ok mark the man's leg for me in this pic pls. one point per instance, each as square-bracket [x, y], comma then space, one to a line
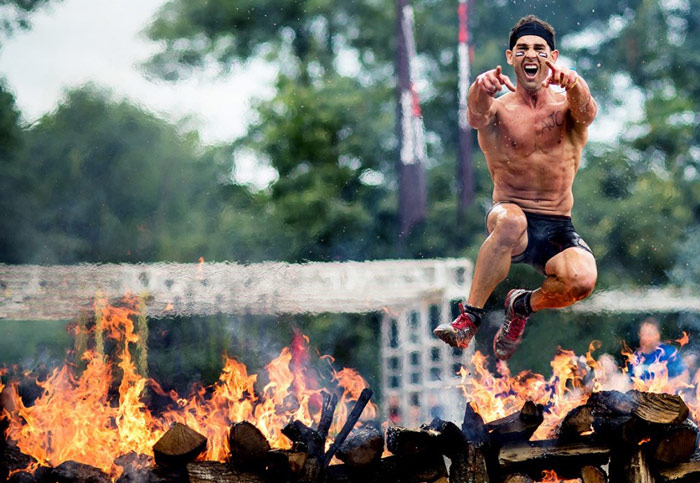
[507, 227]
[571, 276]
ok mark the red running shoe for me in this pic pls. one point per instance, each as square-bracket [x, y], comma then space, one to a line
[510, 335]
[461, 331]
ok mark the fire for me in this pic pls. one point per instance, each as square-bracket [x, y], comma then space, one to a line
[77, 418]
[550, 476]
[573, 379]
[496, 397]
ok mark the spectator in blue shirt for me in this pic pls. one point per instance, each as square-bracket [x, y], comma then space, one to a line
[653, 356]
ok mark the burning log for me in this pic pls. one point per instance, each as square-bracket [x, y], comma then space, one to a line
[533, 457]
[658, 408]
[249, 447]
[468, 463]
[428, 468]
[207, 471]
[578, 422]
[178, 446]
[71, 471]
[353, 417]
[362, 448]
[630, 467]
[314, 440]
[518, 426]
[518, 478]
[409, 442]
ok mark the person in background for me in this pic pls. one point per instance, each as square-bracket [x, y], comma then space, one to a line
[653, 356]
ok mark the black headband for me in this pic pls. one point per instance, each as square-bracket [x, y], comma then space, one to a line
[532, 28]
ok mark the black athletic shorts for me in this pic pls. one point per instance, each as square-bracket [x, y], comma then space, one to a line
[547, 235]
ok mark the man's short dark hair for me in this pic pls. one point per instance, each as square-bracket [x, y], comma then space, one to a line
[533, 18]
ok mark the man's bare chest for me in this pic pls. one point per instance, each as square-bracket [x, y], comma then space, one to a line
[529, 130]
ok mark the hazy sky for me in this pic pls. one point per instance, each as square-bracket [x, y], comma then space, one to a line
[72, 42]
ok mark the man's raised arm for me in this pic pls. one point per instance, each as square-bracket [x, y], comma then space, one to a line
[583, 106]
[481, 94]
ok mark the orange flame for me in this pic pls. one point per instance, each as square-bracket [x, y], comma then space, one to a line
[550, 476]
[76, 418]
[573, 379]
[683, 340]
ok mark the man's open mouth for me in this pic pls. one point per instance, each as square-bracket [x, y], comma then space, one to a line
[531, 70]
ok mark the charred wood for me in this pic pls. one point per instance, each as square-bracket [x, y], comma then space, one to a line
[42, 474]
[249, 447]
[72, 472]
[206, 471]
[407, 442]
[404, 469]
[312, 469]
[353, 417]
[630, 466]
[467, 459]
[578, 422]
[178, 446]
[518, 478]
[327, 412]
[566, 459]
[364, 447]
[12, 459]
[518, 426]
[473, 426]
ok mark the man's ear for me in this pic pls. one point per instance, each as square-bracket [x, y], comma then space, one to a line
[509, 57]
[554, 55]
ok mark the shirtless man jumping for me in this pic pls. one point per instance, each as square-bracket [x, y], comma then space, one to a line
[532, 139]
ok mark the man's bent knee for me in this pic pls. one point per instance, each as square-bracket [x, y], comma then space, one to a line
[581, 285]
[509, 228]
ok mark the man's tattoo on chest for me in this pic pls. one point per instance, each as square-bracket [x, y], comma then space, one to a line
[555, 119]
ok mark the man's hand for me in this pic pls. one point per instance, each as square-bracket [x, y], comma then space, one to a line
[492, 81]
[560, 76]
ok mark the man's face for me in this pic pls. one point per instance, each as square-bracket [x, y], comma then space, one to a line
[528, 60]
[649, 338]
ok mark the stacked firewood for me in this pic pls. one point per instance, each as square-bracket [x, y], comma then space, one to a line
[633, 437]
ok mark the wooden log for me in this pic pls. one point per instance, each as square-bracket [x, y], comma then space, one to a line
[610, 403]
[71, 472]
[468, 462]
[630, 466]
[178, 446]
[249, 447]
[688, 472]
[353, 417]
[473, 426]
[658, 408]
[364, 447]
[518, 426]
[673, 444]
[407, 442]
[576, 423]
[518, 478]
[208, 471]
[327, 412]
[312, 470]
[533, 457]
[593, 474]
[404, 469]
